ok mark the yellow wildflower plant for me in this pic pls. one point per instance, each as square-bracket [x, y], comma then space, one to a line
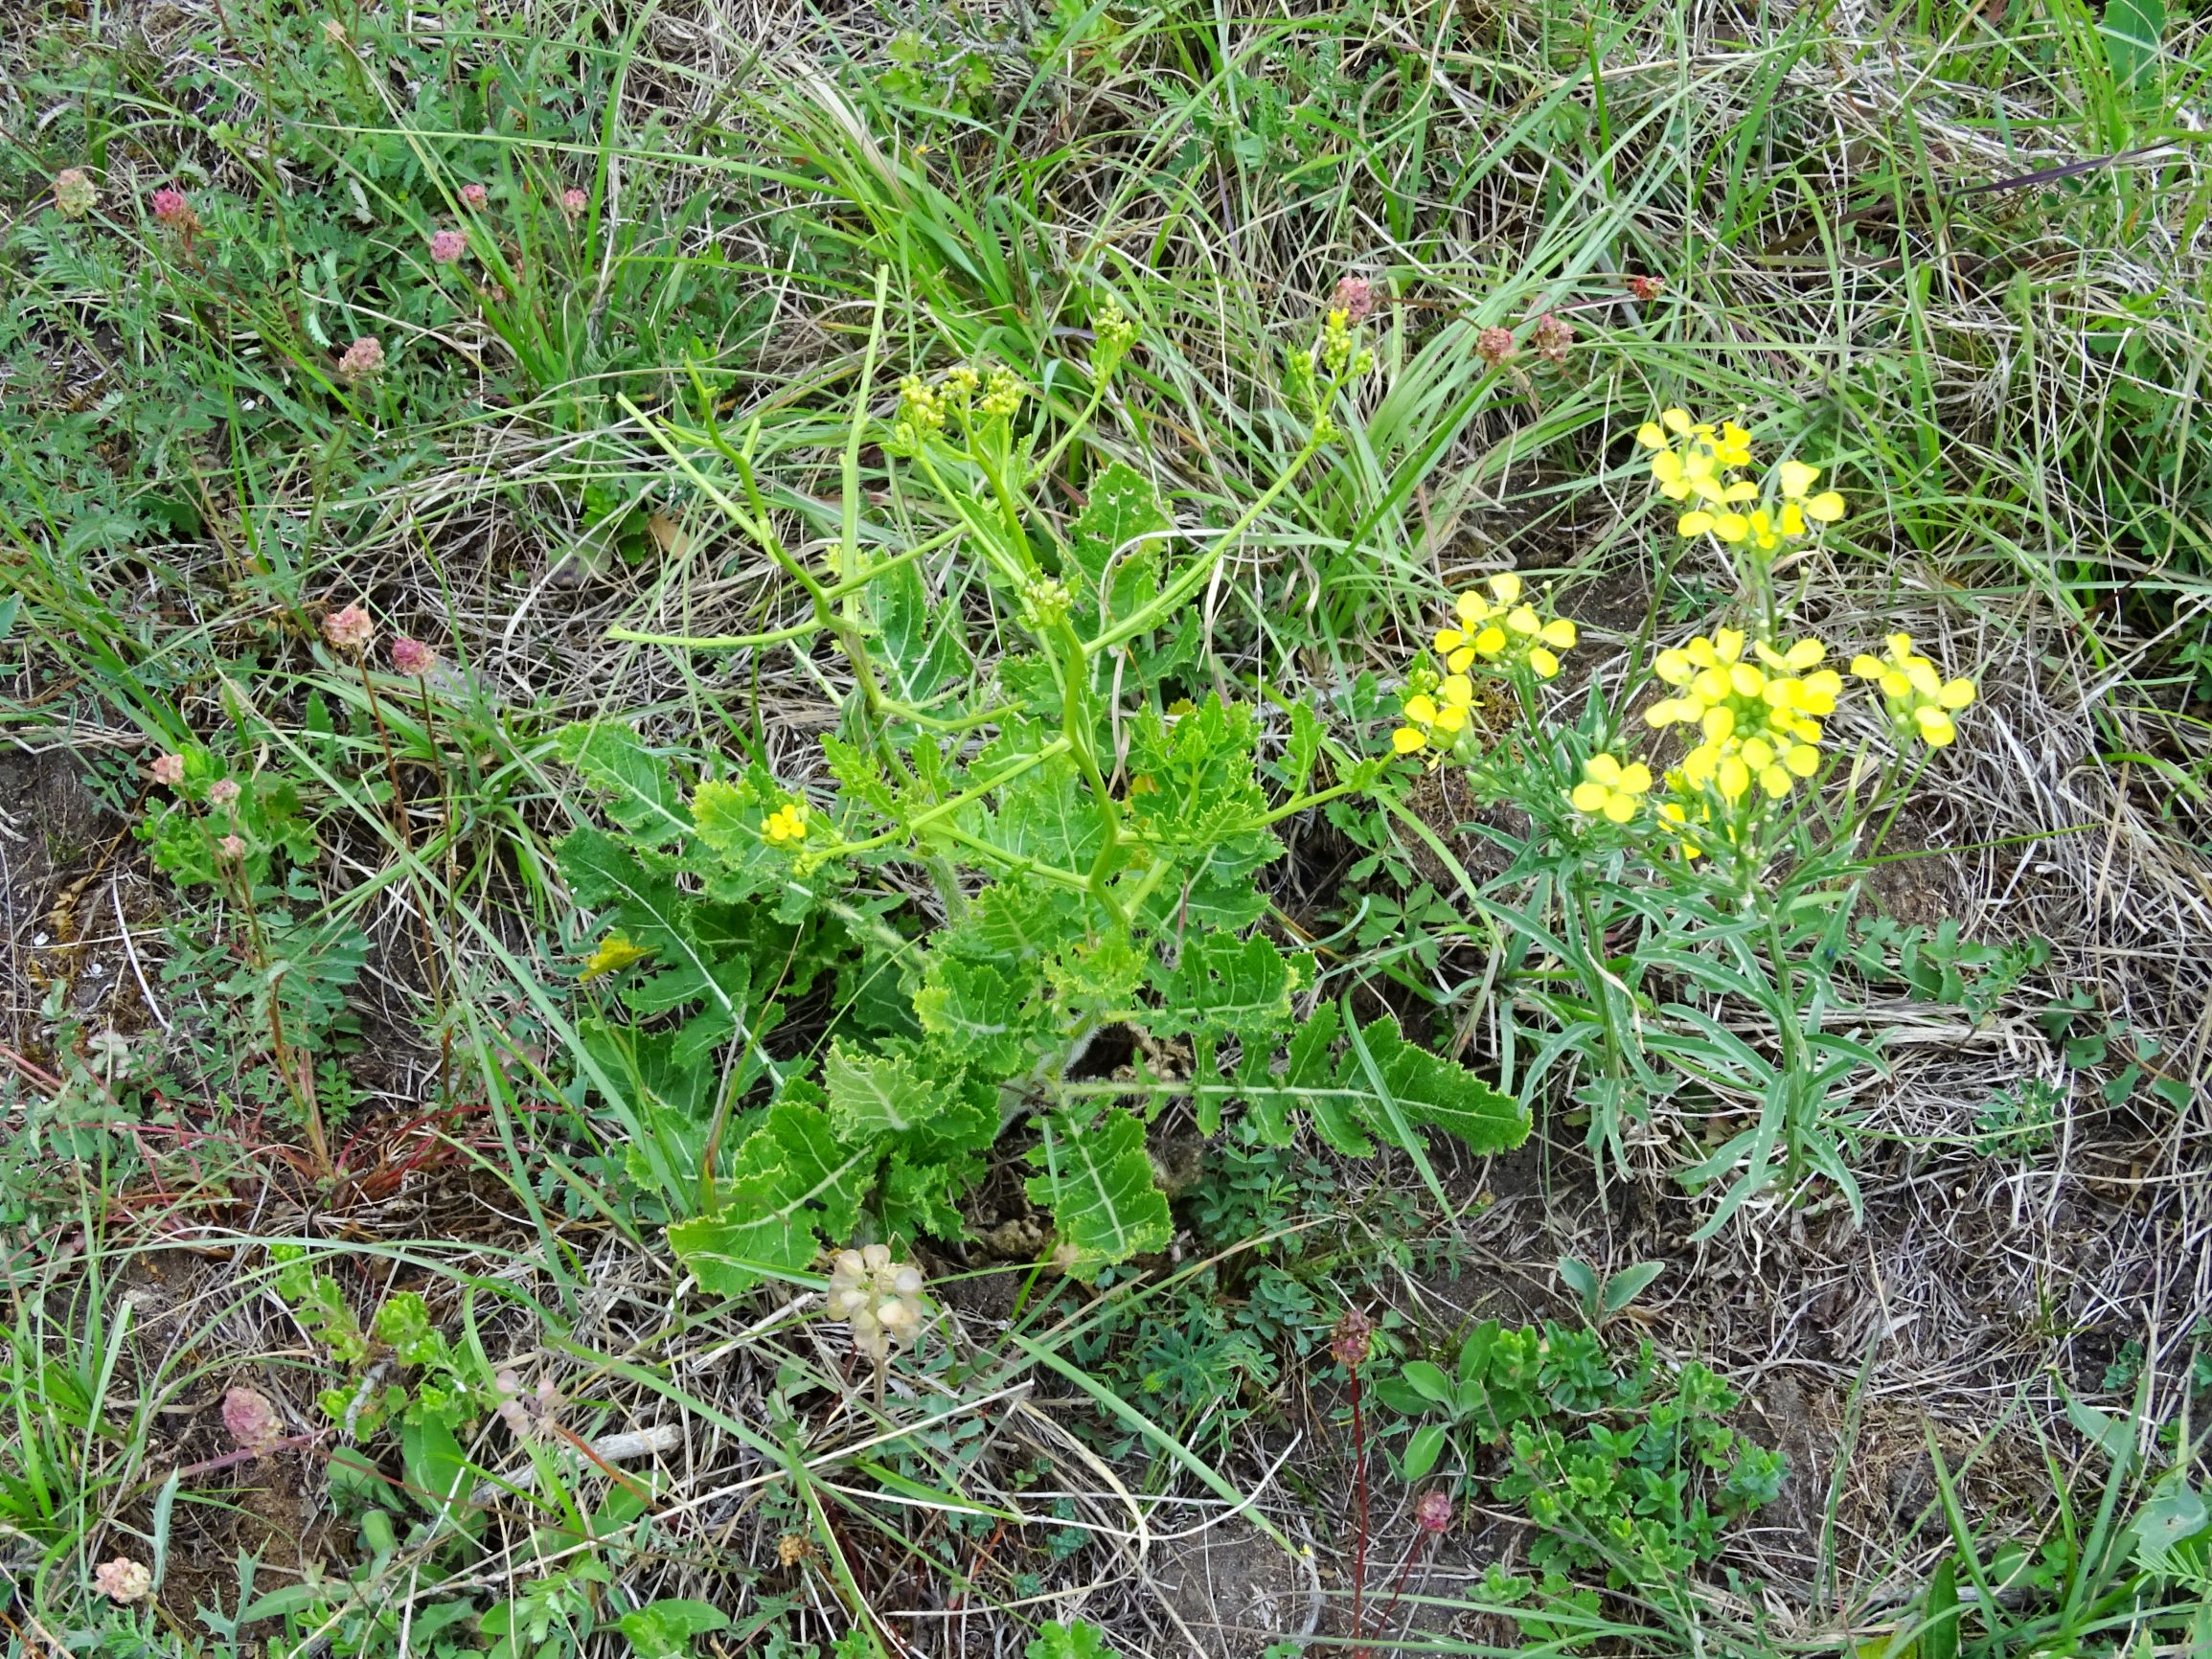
[1502, 631]
[1919, 699]
[787, 825]
[1611, 790]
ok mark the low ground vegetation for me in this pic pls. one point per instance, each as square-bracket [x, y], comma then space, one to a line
[1106, 829]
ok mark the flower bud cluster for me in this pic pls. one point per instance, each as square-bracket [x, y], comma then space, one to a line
[880, 1298]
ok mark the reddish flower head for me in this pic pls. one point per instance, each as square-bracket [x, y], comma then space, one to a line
[348, 629]
[1355, 297]
[446, 246]
[572, 202]
[1432, 1511]
[412, 657]
[168, 769]
[231, 847]
[222, 793]
[252, 1420]
[1646, 289]
[171, 209]
[123, 1579]
[363, 358]
[1493, 346]
[474, 196]
[1349, 1343]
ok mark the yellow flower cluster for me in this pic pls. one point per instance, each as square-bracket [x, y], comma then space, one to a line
[787, 825]
[1919, 700]
[1760, 720]
[1611, 790]
[1500, 633]
[1503, 631]
[1426, 716]
[1700, 463]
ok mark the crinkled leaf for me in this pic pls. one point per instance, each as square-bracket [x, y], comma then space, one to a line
[642, 793]
[917, 1200]
[875, 1094]
[1222, 986]
[790, 1183]
[919, 653]
[1334, 1095]
[1440, 1094]
[1117, 542]
[891, 1101]
[1097, 1181]
[978, 1015]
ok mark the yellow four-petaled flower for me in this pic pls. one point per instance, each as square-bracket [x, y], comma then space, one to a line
[1611, 790]
[787, 825]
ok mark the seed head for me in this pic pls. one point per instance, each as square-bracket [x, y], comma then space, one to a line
[879, 1297]
[348, 629]
[231, 848]
[446, 246]
[1552, 338]
[1432, 1511]
[474, 196]
[1355, 297]
[412, 657]
[168, 769]
[1348, 1346]
[123, 1581]
[1494, 345]
[1646, 289]
[223, 792]
[363, 358]
[74, 195]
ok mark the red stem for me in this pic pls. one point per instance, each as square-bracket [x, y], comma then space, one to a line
[1359, 1537]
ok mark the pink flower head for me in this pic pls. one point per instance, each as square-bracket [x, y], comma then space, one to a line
[1355, 297]
[1646, 289]
[446, 246]
[168, 769]
[1432, 1511]
[474, 196]
[573, 201]
[231, 848]
[222, 793]
[412, 657]
[171, 209]
[1552, 338]
[123, 1581]
[252, 1420]
[348, 629]
[74, 195]
[1348, 1344]
[1493, 346]
[363, 358]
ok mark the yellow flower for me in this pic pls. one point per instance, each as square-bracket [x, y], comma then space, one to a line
[1797, 478]
[1919, 700]
[615, 953]
[1609, 790]
[786, 824]
[1407, 739]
